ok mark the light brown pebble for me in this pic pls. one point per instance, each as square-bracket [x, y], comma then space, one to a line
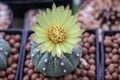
[92, 67]
[39, 79]
[31, 65]
[107, 43]
[11, 77]
[14, 50]
[28, 47]
[30, 72]
[46, 79]
[110, 55]
[17, 37]
[90, 40]
[84, 73]
[118, 40]
[77, 71]
[26, 70]
[92, 49]
[74, 77]
[86, 57]
[92, 55]
[85, 51]
[107, 61]
[15, 57]
[108, 49]
[115, 75]
[115, 45]
[28, 57]
[91, 61]
[17, 45]
[111, 68]
[2, 73]
[12, 42]
[9, 70]
[85, 78]
[10, 61]
[14, 65]
[115, 58]
[26, 77]
[68, 77]
[115, 51]
[5, 78]
[7, 37]
[34, 76]
[35, 70]
[91, 73]
[87, 45]
[27, 62]
[108, 77]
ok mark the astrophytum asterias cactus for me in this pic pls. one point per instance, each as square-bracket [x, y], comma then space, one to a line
[4, 52]
[55, 48]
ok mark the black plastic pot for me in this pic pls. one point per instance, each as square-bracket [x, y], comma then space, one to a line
[109, 33]
[11, 31]
[28, 33]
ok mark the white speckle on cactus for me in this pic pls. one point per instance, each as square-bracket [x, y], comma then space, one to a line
[6, 53]
[32, 55]
[31, 42]
[46, 60]
[64, 71]
[77, 54]
[62, 64]
[1, 49]
[44, 68]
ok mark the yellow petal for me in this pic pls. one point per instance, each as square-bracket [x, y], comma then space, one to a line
[41, 22]
[54, 52]
[60, 12]
[54, 15]
[49, 16]
[66, 47]
[53, 6]
[75, 28]
[49, 45]
[74, 35]
[65, 16]
[68, 23]
[37, 28]
[43, 49]
[39, 40]
[69, 45]
[73, 40]
[59, 52]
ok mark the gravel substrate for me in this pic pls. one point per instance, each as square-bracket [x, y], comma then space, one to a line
[87, 72]
[112, 57]
[14, 41]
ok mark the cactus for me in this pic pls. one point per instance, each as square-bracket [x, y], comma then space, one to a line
[4, 52]
[55, 48]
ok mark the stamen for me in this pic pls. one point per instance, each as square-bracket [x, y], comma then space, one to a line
[57, 34]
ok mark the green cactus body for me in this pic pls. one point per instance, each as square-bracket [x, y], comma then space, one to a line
[55, 66]
[58, 33]
[4, 52]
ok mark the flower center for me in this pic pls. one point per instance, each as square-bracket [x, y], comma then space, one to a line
[57, 34]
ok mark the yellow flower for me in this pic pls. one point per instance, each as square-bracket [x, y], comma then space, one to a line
[57, 30]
